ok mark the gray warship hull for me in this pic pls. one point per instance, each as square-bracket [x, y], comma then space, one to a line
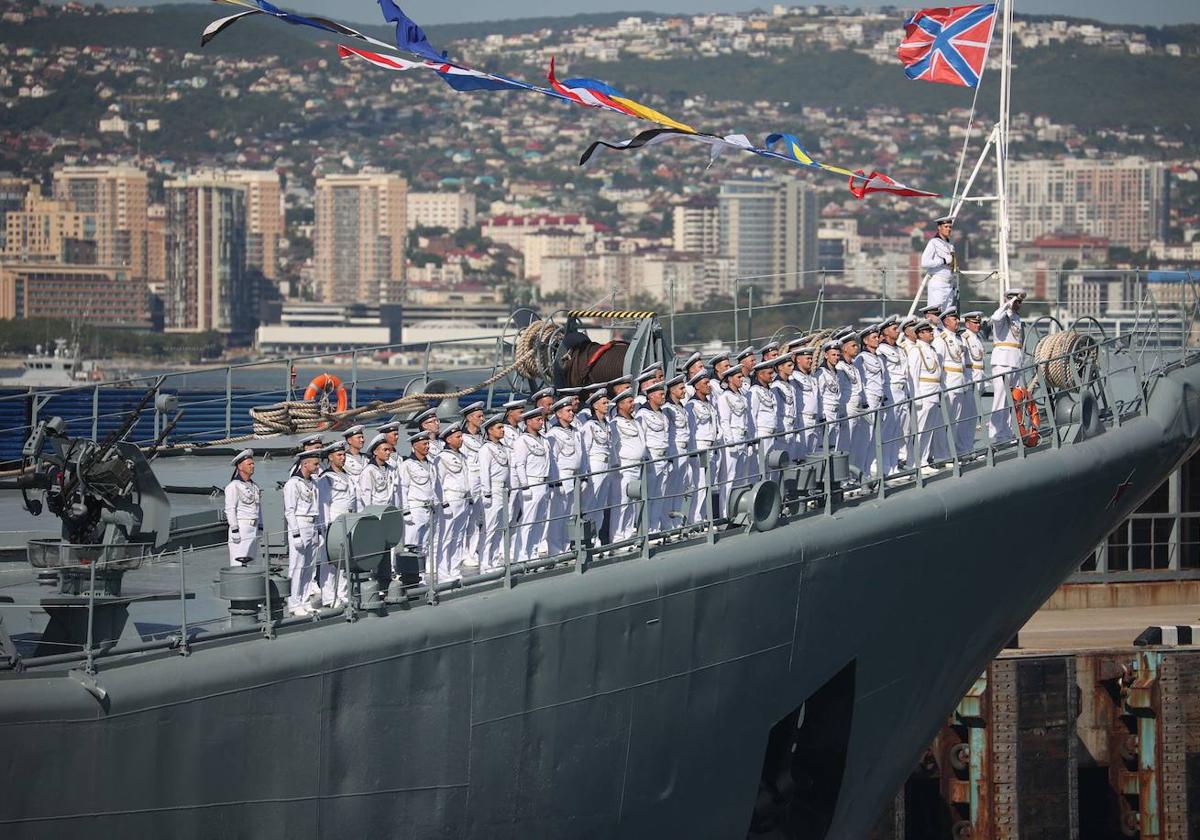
[638, 700]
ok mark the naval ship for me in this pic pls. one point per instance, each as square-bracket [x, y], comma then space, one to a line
[772, 670]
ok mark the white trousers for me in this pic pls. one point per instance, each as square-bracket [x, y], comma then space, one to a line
[895, 439]
[942, 292]
[625, 511]
[658, 505]
[562, 511]
[452, 549]
[685, 473]
[737, 471]
[964, 432]
[535, 509]
[708, 481]
[929, 418]
[303, 553]
[1000, 424]
[243, 546]
[598, 496]
[861, 441]
[491, 541]
[954, 407]
[835, 432]
[812, 436]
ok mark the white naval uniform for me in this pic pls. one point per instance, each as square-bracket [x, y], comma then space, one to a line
[787, 395]
[936, 262]
[737, 428]
[631, 449]
[685, 471]
[570, 463]
[831, 410]
[302, 512]
[511, 433]
[856, 434]
[337, 493]
[494, 478]
[656, 429]
[949, 347]
[973, 369]
[379, 485]
[600, 493]
[355, 464]
[808, 393]
[764, 412]
[420, 499]
[1008, 355]
[895, 428]
[926, 365]
[243, 513]
[706, 433]
[872, 370]
[533, 466]
[457, 499]
[471, 445]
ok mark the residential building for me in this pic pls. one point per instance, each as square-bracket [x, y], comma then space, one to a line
[549, 242]
[449, 210]
[117, 196]
[207, 286]
[45, 230]
[358, 238]
[1124, 201]
[12, 197]
[769, 228]
[104, 296]
[510, 230]
[156, 243]
[696, 226]
[264, 218]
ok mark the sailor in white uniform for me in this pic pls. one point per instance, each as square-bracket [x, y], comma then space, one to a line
[428, 421]
[908, 336]
[570, 466]
[1008, 357]
[311, 443]
[391, 433]
[420, 496]
[305, 528]
[706, 431]
[337, 493]
[691, 366]
[746, 360]
[602, 455]
[243, 510]
[356, 459]
[830, 437]
[737, 430]
[717, 365]
[542, 400]
[378, 483]
[494, 476]
[576, 403]
[472, 428]
[872, 370]
[950, 348]
[857, 430]
[808, 396]
[457, 501]
[787, 397]
[895, 430]
[973, 359]
[769, 351]
[660, 441]
[533, 469]
[940, 265]
[765, 415]
[513, 409]
[650, 374]
[684, 472]
[631, 452]
[926, 365]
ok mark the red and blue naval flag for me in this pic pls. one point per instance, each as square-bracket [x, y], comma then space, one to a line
[948, 45]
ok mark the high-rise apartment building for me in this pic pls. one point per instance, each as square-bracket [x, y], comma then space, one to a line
[13, 190]
[697, 227]
[449, 210]
[48, 231]
[358, 238]
[769, 229]
[1124, 201]
[207, 286]
[117, 197]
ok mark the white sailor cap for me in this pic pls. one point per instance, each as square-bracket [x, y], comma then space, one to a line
[797, 342]
[354, 430]
[925, 310]
[626, 394]
[866, 331]
[545, 392]
[336, 446]
[767, 364]
[449, 430]
[749, 351]
[646, 376]
[703, 373]
[598, 394]
[308, 454]
[947, 218]
[241, 456]
[494, 420]
[533, 414]
[832, 344]
[950, 312]
[627, 379]
[849, 337]
[910, 321]
[376, 441]
[573, 391]
[720, 357]
[307, 439]
[519, 402]
[783, 359]
[660, 385]
[888, 321]
[922, 326]
[387, 428]
[677, 379]
[733, 370]
[973, 315]
[417, 437]
[427, 414]
[691, 360]
[806, 350]
[565, 402]
[768, 347]
[650, 368]
[471, 409]
[1011, 293]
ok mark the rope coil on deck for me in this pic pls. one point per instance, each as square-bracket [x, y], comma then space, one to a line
[1063, 357]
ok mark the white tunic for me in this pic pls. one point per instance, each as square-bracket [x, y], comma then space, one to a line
[950, 349]
[926, 366]
[355, 464]
[337, 493]
[494, 463]
[631, 441]
[831, 392]
[974, 355]
[301, 509]
[872, 371]
[419, 484]
[764, 409]
[1007, 335]
[681, 428]
[597, 442]
[471, 445]
[657, 431]
[378, 485]
[937, 259]
[570, 457]
[736, 423]
[454, 475]
[896, 362]
[809, 393]
[705, 422]
[531, 461]
[243, 504]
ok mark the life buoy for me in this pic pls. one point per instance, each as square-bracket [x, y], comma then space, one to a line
[1027, 408]
[325, 383]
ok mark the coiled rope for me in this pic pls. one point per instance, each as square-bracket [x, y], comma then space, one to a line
[1063, 358]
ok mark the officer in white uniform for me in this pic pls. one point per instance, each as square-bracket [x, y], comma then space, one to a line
[1008, 356]
[737, 430]
[926, 365]
[684, 472]
[940, 265]
[458, 499]
[420, 496]
[907, 339]
[356, 460]
[830, 437]
[706, 436]
[570, 466]
[302, 512]
[872, 370]
[533, 469]
[631, 451]
[895, 359]
[973, 359]
[243, 510]
[337, 493]
[949, 347]
[494, 474]
[765, 415]
[602, 455]
[660, 441]
[808, 396]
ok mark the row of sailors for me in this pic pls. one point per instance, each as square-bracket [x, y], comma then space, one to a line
[691, 432]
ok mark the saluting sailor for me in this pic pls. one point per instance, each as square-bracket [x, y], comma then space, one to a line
[420, 495]
[746, 361]
[737, 429]
[681, 480]
[872, 370]
[808, 395]
[831, 436]
[691, 366]
[532, 466]
[660, 441]
[926, 366]
[356, 461]
[494, 475]
[631, 451]
[941, 265]
[337, 493]
[950, 348]
[706, 430]
[895, 434]
[973, 357]
[764, 414]
[243, 510]
[602, 455]
[457, 498]
[571, 466]
[302, 513]
[907, 339]
[1008, 357]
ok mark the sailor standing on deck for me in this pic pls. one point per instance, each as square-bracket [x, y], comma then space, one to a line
[513, 409]
[378, 483]
[706, 430]
[532, 465]
[681, 480]
[602, 455]
[302, 512]
[926, 366]
[472, 429]
[718, 364]
[458, 499]
[737, 429]
[494, 465]
[808, 394]
[764, 414]
[337, 492]
[857, 434]
[571, 466]
[973, 357]
[949, 347]
[631, 451]
[428, 421]
[391, 434]
[940, 265]
[420, 495]
[831, 437]
[895, 429]
[310, 443]
[747, 361]
[787, 396]
[243, 510]
[1008, 356]
[356, 460]
[692, 365]
[872, 370]
[660, 441]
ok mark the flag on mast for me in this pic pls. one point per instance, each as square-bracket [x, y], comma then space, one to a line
[948, 45]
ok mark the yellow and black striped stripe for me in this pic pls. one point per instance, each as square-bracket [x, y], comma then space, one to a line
[608, 313]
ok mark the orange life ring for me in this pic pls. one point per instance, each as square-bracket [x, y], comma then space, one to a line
[325, 383]
[1026, 407]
